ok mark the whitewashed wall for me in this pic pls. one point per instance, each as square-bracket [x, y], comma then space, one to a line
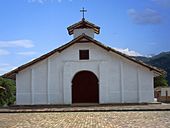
[49, 81]
[23, 87]
[164, 90]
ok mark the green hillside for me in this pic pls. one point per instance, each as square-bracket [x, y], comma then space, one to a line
[161, 60]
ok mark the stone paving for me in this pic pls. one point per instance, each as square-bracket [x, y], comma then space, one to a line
[156, 119]
[91, 108]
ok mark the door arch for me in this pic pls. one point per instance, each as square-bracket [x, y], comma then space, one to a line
[85, 88]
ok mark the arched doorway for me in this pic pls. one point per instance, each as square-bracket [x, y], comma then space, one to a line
[85, 88]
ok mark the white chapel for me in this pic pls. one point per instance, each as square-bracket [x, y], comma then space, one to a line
[84, 70]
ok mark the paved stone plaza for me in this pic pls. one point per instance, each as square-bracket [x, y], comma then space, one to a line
[156, 119]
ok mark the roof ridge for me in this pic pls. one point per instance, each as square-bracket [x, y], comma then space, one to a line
[61, 48]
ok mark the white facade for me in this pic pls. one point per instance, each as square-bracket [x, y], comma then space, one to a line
[49, 81]
[165, 91]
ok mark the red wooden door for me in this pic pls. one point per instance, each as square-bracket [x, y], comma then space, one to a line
[85, 88]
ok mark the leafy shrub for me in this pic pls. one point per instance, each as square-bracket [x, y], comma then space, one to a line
[8, 91]
[160, 81]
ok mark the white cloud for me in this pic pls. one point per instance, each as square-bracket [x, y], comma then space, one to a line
[4, 68]
[27, 53]
[148, 16]
[4, 52]
[163, 3]
[128, 52]
[38, 1]
[44, 1]
[17, 43]
[32, 59]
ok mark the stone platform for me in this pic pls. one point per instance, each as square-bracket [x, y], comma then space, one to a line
[86, 108]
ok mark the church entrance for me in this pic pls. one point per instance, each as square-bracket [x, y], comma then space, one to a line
[85, 88]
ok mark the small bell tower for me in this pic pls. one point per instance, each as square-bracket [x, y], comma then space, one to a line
[83, 27]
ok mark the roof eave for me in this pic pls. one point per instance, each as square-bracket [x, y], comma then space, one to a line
[79, 24]
[96, 30]
[60, 49]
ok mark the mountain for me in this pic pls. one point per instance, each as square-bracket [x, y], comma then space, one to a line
[161, 60]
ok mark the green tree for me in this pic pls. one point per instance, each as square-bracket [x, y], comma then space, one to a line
[2, 89]
[8, 91]
[160, 81]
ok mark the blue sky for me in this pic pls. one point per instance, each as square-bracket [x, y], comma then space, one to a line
[30, 28]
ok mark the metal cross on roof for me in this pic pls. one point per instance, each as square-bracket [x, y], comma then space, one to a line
[83, 11]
